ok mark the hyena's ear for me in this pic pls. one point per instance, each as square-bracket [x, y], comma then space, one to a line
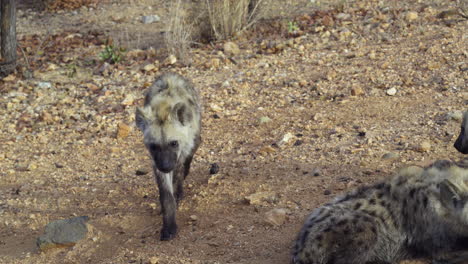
[449, 193]
[182, 113]
[140, 119]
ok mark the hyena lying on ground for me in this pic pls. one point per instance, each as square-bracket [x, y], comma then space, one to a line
[418, 213]
[462, 141]
[170, 121]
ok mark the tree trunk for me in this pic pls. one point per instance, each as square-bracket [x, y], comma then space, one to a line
[8, 36]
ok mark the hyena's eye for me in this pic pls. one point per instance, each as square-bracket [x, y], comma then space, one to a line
[174, 144]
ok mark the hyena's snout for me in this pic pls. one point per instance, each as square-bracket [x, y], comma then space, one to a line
[164, 160]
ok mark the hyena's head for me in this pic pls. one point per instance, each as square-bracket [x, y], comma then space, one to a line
[167, 132]
[462, 141]
[453, 191]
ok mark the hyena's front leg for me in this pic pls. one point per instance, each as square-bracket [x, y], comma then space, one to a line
[458, 257]
[168, 204]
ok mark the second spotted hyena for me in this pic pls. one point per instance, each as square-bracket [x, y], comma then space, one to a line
[418, 213]
[461, 144]
[171, 122]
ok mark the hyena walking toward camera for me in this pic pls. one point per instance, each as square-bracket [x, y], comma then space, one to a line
[171, 122]
[461, 144]
[418, 213]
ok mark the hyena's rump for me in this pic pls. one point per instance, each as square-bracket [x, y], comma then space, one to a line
[461, 144]
[171, 122]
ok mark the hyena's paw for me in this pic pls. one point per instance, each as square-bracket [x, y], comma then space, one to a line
[168, 233]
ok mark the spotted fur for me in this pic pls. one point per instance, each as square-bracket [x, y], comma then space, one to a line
[417, 213]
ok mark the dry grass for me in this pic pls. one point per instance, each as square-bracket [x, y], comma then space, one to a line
[178, 37]
[230, 17]
[54, 5]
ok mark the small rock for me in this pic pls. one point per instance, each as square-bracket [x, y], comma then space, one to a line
[425, 146]
[266, 150]
[154, 260]
[390, 156]
[44, 85]
[316, 172]
[260, 198]
[141, 172]
[193, 218]
[214, 63]
[170, 60]
[46, 118]
[343, 16]
[298, 142]
[231, 48]
[92, 87]
[327, 192]
[9, 78]
[357, 91]
[63, 233]
[58, 165]
[286, 138]
[149, 67]
[123, 130]
[214, 168]
[264, 119]
[392, 91]
[128, 100]
[150, 19]
[410, 16]
[275, 217]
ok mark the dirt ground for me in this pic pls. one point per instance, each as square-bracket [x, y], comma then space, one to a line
[295, 120]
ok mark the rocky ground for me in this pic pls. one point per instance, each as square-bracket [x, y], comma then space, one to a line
[292, 119]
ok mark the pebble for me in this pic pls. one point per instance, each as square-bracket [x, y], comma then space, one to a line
[327, 192]
[150, 19]
[392, 91]
[316, 172]
[264, 119]
[63, 233]
[410, 16]
[275, 217]
[214, 168]
[260, 198]
[390, 156]
[170, 60]
[231, 49]
[149, 67]
[44, 85]
[357, 91]
[123, 130]
[141, 172]
[154, 260]
[128, 100]
[425, 146]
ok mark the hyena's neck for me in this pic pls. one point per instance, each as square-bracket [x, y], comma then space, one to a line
[419, 206]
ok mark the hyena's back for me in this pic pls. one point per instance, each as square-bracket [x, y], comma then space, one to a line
[409, 215]
[172, 87]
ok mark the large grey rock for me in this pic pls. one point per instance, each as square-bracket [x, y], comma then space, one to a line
[63, 233]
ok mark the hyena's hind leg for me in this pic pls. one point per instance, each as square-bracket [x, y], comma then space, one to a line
[179, 183]
[168, 207]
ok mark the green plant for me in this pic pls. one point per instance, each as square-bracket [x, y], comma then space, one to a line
[72, 69]
[292, 26]
[112, 54]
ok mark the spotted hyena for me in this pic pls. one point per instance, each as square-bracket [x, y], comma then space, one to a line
[171, 122]
[417, 213]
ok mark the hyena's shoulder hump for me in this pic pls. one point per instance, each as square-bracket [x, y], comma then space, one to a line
[172, 86]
